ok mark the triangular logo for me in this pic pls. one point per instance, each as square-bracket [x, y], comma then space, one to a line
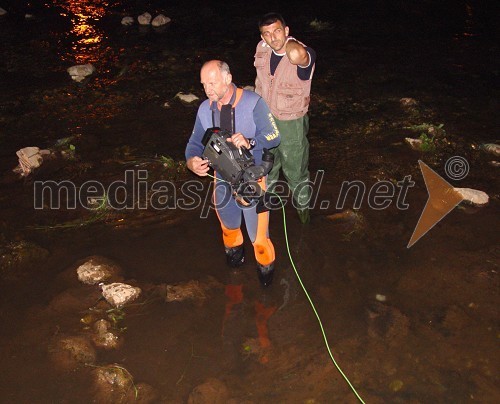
[442, 200]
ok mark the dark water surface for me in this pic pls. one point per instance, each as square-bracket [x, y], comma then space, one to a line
[435, 336]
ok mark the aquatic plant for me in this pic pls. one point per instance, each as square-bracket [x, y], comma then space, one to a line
[429, 135]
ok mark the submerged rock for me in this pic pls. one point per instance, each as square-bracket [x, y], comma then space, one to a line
[192, 290]
[113, 384]
[119, 294]
[387, 323]
[144, 19]
[96, 270]
[69, 352]
[213, 391]
[187, 98]
[473, 196]
[104, 336]
[80, 72]
[160, 20]
[127, 20]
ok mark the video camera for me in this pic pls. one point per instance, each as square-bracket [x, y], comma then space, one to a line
[236, 166]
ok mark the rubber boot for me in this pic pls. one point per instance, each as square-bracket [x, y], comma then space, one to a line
[235, 256]
[265, 273]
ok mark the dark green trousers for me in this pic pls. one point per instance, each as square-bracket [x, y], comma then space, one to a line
[292, 157]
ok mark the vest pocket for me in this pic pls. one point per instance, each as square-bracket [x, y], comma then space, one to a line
[290, 99]
[259, 61]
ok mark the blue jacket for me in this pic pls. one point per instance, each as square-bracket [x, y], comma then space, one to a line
[253, 120]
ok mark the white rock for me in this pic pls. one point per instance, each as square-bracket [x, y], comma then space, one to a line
[119, 294]
[160, 20]
[96, 270]
[491, 148]
[473, 196]
[2, 11]
[127, 20]
[79, 72]
[249, 88]
[188, 98]
[29, 16]
[416, 144]
[380, 298]
[144, 19]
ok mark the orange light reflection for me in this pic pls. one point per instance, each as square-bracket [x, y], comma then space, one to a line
[84, 14]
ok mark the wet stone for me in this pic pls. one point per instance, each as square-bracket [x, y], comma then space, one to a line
[113, 384]
[127, 21]
[473, 196]
[144, 19]
[97, 269]
[491, 148]
[186, 98]
[80, 72]
[119, 294]
[213, 391]
[160, 20]
[104, 336]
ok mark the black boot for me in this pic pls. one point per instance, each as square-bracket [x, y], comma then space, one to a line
[235, 256]
[266, 273]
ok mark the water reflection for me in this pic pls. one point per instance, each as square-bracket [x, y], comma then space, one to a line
[84, 14]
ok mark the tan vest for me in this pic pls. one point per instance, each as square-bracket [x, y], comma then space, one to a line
[287, 96]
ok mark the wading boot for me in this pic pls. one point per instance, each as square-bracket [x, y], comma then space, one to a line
[235, 256]
[265, 273]
[304, 215]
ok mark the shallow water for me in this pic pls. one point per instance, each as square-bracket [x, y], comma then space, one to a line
[434, 338]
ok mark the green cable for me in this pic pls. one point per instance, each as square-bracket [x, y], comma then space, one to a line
[308, 297]
[312, 304]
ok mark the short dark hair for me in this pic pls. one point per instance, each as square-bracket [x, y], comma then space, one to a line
[271, 18]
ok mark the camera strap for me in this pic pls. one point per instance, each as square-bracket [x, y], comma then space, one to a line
[227, 114]
[227, 118]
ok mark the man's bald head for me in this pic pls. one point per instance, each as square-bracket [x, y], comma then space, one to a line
[216, 78]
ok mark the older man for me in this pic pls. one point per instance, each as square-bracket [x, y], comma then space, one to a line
[247, 117]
